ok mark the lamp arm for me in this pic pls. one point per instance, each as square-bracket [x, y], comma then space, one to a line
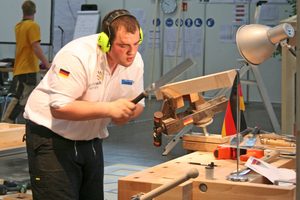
[257, 11]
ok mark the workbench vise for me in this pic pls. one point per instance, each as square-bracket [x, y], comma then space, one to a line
[199, 112]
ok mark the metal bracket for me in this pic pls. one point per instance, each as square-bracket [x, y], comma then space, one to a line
[175, 139]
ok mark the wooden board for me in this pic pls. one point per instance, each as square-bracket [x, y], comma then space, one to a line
[213, 138]
[196, 142]
[11, 135]
[257, 188]
[199, 146]
[201, 84]
[18, 196]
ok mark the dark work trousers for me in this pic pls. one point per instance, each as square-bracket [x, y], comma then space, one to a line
[25, 85]
[63, 169]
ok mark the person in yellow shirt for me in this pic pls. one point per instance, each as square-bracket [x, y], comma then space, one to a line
[26, 66]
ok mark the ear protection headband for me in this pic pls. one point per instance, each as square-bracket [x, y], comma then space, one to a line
[103, 38]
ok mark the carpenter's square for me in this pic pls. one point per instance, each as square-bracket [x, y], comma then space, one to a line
[241, 135]
[168, 77]
[267, 158]
[251, 138]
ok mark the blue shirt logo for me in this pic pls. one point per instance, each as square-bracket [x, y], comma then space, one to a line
[127, 82]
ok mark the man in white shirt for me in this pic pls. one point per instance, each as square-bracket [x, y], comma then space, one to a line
[92, 81]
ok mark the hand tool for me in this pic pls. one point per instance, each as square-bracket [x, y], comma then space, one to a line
[280, 137]
[266, 150]
[4, 189]
[256, 153]
[250, 142]
[193, 173]
[157, 136]
[168, 77]
[203, 164]
[227, 152]
[280, 143]
[241, 135]
[14, 184]
[266, 158]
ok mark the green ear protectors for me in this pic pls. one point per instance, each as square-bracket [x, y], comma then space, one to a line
[104, 44]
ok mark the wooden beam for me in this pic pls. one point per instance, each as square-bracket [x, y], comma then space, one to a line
[177, 99]
[200, 84]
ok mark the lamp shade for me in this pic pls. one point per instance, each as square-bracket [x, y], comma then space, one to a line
[257, 42]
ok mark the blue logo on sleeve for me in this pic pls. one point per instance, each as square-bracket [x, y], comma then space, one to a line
[127, 82]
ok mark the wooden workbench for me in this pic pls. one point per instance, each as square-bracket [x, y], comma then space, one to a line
[258, 188]
[11, 139]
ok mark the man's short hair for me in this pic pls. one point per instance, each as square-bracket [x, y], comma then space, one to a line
[129, 22]
[28, 8]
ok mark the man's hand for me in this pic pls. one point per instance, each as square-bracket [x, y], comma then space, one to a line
[121, 111]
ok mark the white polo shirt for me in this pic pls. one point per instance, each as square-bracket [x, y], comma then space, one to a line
[80, 71]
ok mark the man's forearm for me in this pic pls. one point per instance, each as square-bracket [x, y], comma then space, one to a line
[121, 110]
[81, 111]
[40, 54]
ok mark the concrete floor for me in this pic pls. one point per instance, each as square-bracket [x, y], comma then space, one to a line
[132, 143]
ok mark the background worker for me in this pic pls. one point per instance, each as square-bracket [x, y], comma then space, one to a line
[26, 65]
[91, 82]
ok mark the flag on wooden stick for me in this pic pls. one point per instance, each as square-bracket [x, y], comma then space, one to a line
[230, 120]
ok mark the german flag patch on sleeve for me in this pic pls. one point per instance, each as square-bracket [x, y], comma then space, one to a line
[64, 73]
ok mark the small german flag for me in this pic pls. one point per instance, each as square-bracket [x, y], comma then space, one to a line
[156, 119]
[188, 121]
[230, 119]
[64, 73]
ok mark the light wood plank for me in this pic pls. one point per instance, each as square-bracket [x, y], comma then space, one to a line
[200, 84]
[11, 137]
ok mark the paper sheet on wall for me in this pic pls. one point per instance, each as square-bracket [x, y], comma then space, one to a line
[192, 34]
[227, 33]
[140, 15]
[170, 42]
[170, 48]
[269, 12]
[192, 49]
[270, 172]
[65, 17]
[192, 42]
[151, 38]
[171, 34]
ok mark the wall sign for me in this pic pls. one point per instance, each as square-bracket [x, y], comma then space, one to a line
[198, 22]
[188, 22]
[210, 22]
[157, 22]
[169, 22]
[181, 22]
[184, 6]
